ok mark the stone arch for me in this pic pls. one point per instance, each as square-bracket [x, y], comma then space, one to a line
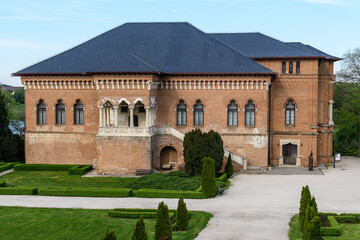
[168, 155]
[104, 100]
[123, 100]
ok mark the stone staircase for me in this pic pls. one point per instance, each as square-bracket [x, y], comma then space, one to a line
[180, 135]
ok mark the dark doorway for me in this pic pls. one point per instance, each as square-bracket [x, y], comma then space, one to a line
[136, 121]
[289, 152]
[168, 155]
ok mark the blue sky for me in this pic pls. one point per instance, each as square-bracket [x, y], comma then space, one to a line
[31, 31]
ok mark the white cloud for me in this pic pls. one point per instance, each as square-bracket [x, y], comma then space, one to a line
[20, 44]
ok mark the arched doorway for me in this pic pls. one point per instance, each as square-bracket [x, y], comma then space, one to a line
[289, 153]
[168, 155]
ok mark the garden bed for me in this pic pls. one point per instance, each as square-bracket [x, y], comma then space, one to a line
[56, 224]
[175, 184]
[343, 226]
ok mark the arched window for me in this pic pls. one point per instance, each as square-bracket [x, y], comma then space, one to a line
[78, 113]
[181, 114]
[60, 113]
[250, 114]
[198, 114]
[290, 113]
[232, 114]
[41, 112]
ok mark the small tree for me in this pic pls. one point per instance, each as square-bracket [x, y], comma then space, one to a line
[139, 231]
[109, 235]
[163, 224]
[229, 169]
[182, 216]
[208, 184]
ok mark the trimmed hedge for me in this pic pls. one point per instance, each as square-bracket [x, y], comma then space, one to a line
[223, 177]
[2, 184]
[159, 193]
[334, 229]
[7, 166]
[79, 170]
[116, 214]
[46, 167]
[18, 191]
[86, 192]
[346, 219]
[135, 213]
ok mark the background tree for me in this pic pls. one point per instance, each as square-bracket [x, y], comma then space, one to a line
[347, 93]
[198, 145]
[19, 96]
[4, 120]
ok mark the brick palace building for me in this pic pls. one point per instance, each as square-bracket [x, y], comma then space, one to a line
[124, 100]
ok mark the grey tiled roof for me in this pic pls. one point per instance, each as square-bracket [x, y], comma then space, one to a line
[150, 47]
[257, 45]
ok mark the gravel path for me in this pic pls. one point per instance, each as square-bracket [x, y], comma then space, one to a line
[255, 206]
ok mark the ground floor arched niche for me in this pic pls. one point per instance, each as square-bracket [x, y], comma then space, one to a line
[168, 158]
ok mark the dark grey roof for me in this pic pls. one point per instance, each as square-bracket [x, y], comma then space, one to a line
[257, 45]
[150, 47]
[310, 49]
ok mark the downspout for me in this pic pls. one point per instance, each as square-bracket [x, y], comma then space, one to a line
[269, 123]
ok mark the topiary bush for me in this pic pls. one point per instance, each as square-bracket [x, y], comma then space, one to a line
[304, 202]
[163, 225]
[139, 231]
[109, 235]
[198, 145]
[229, 169]
[314, 204]
[182, 216]
[208, 185]
[315, 231]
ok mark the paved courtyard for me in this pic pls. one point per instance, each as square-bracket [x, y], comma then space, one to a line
[255, 206]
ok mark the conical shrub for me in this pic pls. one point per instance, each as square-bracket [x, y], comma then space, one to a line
[229, 169]
[182, 216]
[109, 235]
[314, 205]
[315, 231]
[139, 231]
[163, 224]
[208, 184]
[304, 202]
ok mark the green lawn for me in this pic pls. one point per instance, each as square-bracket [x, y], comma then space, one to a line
[350, 231]
[50, 223]
[61, 179]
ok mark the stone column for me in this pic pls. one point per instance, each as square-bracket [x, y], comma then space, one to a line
[131, 116]
[331, 122]
[101, 116]
[147, 122]
[108, 116]
[116, 109]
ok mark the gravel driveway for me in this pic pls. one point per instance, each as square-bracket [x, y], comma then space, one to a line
[255, 206]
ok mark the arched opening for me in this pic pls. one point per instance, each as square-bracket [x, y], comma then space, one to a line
[168, 158]
[289, 153]
[135, 120]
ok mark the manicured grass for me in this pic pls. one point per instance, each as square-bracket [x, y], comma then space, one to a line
[50, 223]
[43, 179]
[350, 231]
